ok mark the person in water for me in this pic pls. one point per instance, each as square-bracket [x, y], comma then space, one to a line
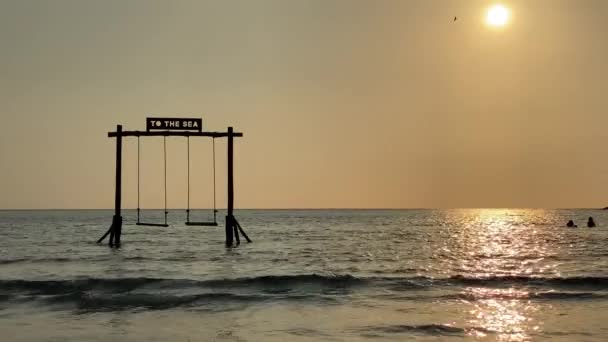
[571, 224]
[590, 223]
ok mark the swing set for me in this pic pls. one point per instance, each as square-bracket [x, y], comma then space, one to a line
[184, 127]
[166, 211]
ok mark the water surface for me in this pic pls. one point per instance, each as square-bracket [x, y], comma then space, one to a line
[310, 275]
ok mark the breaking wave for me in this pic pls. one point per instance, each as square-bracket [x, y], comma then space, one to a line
[157, 293]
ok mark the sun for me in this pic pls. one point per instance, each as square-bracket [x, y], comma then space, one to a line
[497, 16]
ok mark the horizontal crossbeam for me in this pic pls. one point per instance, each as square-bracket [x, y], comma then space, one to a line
[173, 134]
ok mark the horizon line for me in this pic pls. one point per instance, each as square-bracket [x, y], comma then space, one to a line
[314, 208]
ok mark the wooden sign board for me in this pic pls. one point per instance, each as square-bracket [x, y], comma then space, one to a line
[174, 124]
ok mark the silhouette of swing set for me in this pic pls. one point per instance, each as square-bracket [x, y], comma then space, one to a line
[181, 127]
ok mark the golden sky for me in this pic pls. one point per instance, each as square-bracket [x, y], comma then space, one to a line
[343, 103]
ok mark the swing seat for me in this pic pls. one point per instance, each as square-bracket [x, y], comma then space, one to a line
[152, 224]
[206, 224]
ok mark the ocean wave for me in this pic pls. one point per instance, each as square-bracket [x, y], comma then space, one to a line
[107, 302]
[424, 329]
[269, 284]
[592, 282]
[288, 281]
[34, 260]
[91, 299]
[568, 295]
[468, 296]
[548, 295]
[317, 287]
[31, 260]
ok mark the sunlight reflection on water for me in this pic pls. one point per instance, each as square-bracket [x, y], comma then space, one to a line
[509, 319]
[498, 243]
[490, 243]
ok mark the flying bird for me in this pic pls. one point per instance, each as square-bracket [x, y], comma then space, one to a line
[455, 18]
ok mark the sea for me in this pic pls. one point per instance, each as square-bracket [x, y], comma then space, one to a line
[308, 275]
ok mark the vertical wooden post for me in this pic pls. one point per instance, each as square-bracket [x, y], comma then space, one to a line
[116, 228]
[117, 219]
[229, 214]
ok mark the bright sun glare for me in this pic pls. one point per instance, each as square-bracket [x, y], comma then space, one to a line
[498, 16]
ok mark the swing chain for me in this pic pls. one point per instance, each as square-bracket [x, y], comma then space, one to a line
[214, 192]
[138, 173]
[188, 159]
[165, 173]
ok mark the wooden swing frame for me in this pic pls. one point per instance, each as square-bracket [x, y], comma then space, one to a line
[232, 225]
